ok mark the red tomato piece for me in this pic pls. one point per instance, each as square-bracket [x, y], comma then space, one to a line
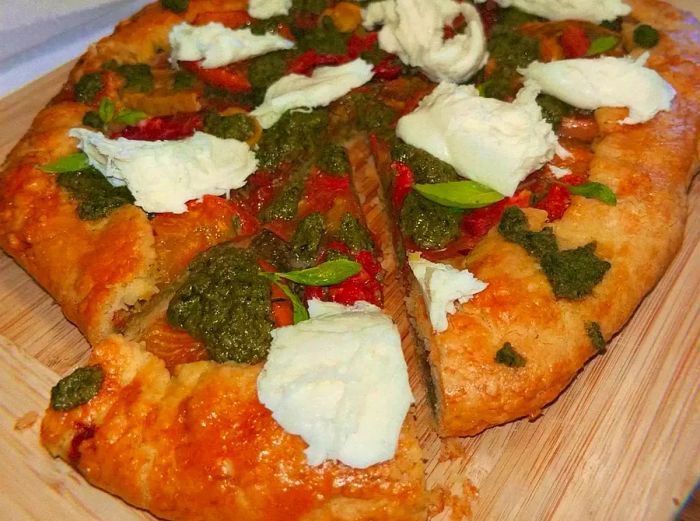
[403, 182]
[231, 77]
[313, 292]
[489, 12]
[308, 61]
[387, 69]
[177, 126]
[477, 223]
[555, 202]
[574, 42]
[359, 44]
[573, 179]
[231, 19]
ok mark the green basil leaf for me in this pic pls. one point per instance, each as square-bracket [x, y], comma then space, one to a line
[71, 163]
[130, 117]
[106, 110]
[326, 274]
[593, 190]
[299, 312]
[601, 45]
[459, 194]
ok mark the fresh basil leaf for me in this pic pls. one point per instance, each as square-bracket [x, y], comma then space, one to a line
[593, 190]
[602, 44]
[71, 163]
[326, 274]
[459, 194]
[106, 110]
[299, 312]
[129, 117]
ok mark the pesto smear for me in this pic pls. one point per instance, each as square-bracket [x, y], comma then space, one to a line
[77, 388]
[226, 304]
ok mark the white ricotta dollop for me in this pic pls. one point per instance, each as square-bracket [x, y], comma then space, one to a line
[217, 45]
[605, 82]
[594, 11]
[413, 30]
[443, 285]
[339, 380]
[268, 8]
[164, 175]
[326, 84]
[487, 140]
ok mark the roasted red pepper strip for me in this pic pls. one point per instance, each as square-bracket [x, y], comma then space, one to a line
[230, 77]
[403, 182]
[555, 202]
[574, 42]
[177, 126]
[308, 61]
[359, 44]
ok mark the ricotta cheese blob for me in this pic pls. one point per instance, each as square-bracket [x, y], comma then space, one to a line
[268, 8]
[595, 11]
[487, 140]
[443, 285]
[414, 31]
[164, 175]
[339, 380]
[326, 84]
[217, 45]
[605, 82]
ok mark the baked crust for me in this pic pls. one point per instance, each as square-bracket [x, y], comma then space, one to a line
[200, 446]
[649, 167]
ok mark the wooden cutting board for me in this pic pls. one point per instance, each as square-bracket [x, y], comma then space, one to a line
[623, 442]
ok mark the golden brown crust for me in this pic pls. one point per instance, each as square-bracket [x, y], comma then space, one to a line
[200, 446]
[649, 167]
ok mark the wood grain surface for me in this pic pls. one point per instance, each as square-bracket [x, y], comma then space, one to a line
[621, 443]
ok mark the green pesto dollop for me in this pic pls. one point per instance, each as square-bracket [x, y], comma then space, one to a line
[333, 159]
[646, 36]
[572, 273]
[76, 389]
[95, 196]
[236, 126]
[294, 136]
[92, 119]
[427, 169]
[510, 49]
[596, 335]
[430, 225]
[88, 87]
[307, 241]
[308, 6]
[553, 109]
[273, 249]
[285, 204]
[354, 235]
[177, 6]
[137, 76]
[507, 355]
[183, 80]
[226, 304]
[372, 115]
[264, 70]
[324, 39]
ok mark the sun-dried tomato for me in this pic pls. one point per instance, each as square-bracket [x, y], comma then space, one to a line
[403, 182]
[574, 42]
[359, 44]
[308, 61]
[230, 77]
[177, 126]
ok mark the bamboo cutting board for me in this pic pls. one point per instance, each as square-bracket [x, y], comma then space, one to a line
[622, 443]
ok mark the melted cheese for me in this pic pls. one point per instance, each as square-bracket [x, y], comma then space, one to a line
[326, 84]
[217, 45]
[487, 140]
[594, 11]
[263, 9]
[413, 30]
[605, 82]
[164, 175]
[443, 285]
[339, 380]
